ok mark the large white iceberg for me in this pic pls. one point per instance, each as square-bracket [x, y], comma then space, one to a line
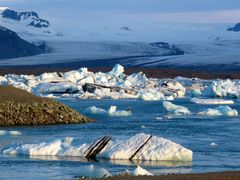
[176, 109]
[219, 111]
[155, 148]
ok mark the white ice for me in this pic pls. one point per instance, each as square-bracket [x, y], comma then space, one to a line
[211, 101]
[139, 171]
[112, 111]
[11, 133]
[157, 149]
[219, 111]
[93, 172]
[175, 109]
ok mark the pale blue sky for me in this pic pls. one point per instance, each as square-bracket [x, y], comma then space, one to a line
[127, 11]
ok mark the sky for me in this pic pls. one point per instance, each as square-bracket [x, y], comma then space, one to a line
[157, 11]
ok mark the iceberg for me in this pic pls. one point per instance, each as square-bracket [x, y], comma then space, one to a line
[93, 172]
[151, 95]
[176, 109]
[117, 71]
[139, 171]
[223, 88]
[219, 111]
[61, 87]
[148, 147]
[116, 85]
[95, 110]
[12, 133]
[113, 112]
[157, 149]
[211, 101]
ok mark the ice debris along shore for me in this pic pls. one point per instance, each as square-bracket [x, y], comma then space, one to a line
[97, 172]
[154, 149]
[112, 111]
[116, 85]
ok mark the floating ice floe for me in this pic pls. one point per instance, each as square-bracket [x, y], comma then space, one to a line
[112, 111]
[93, 172]
[95, 110]
[12, 133]
[139, 171]
[211, 101]
[176, 109]
[219, 111]
[139, 147]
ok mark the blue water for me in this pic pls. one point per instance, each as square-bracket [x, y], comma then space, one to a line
[193, 132]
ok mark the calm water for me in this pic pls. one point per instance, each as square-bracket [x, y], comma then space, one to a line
[195, 133]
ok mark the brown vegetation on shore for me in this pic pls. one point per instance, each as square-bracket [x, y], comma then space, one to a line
[18, 107]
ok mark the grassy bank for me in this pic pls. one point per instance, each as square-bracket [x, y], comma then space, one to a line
[18, 107]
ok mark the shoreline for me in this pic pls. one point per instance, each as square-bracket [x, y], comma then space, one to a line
[225, 175]
[150, 72]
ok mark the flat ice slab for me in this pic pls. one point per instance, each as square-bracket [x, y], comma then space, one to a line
[219, 111]
[156, 149]
[211, 101]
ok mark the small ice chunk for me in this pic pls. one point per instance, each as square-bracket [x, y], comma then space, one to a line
[93, 172]
[211, 101]
[15, 133]
[159, 118]
[3, 132]
[176, 109]
[12, 133]
[95, 110]
[139, 171]
[213, 144]
[151, 95]
[114, 112]
[219, 111]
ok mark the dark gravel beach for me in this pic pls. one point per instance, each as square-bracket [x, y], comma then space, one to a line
[197, 176]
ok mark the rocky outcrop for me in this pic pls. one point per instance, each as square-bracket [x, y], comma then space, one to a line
[12, 46]
[236, 28]
[18, 107]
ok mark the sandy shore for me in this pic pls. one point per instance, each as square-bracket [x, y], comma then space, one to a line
[197, 176]
[150, 72]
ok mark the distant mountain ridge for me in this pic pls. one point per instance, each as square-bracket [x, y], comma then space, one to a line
[27, 21]
[236, 28]
[12, 46]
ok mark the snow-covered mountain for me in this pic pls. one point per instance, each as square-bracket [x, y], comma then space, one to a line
[28, 22]
[129, 44]
[236, 28]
